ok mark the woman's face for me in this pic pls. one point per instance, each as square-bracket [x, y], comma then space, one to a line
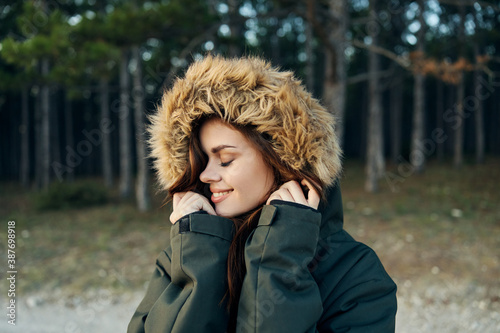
[238, 177]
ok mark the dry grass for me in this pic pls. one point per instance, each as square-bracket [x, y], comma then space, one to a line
[443, 225]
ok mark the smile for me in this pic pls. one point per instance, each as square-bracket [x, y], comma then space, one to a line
[220, 194]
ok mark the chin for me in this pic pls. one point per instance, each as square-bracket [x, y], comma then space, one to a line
[228, 213]
[234, 213]
[221, 214]
[225, 213]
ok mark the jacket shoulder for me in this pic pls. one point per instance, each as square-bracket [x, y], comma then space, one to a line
[339, 256]
[355, 288]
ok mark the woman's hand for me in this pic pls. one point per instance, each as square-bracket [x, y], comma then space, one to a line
[292, 191]
[189, 202]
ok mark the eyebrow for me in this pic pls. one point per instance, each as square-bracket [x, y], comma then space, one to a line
[217, 149]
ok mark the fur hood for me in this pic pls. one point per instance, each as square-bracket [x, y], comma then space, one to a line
[244, 91]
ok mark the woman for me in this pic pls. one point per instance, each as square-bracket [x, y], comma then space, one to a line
[251, 162]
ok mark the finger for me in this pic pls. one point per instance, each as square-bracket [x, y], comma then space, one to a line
[177, 198]
[296, 192]
[274, 196]
[199, 202]
[179, 207]
[196, 202]
[174, 217]
[186, 197]
[281, 194]
[313, 197]
[207, 207]
[286, 194]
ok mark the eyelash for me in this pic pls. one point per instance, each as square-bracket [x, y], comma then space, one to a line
[225, 164]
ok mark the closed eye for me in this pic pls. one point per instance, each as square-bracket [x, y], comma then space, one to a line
[225, 164]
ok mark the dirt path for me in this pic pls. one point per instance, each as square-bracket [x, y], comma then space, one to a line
[105, 314]
[437, 309]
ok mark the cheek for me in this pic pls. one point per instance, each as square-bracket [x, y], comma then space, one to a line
[248, 181]
[259, 182]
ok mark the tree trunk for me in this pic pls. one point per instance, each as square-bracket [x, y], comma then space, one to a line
[458, 149]
[142, 186]
[275, 48]
[125, 145]
[309, 70]
[45, 128]
[439, 120]
[106, 126]
[375, 165]
[25, 130]
[12, 151]
[55, 143]
[235, 28]
[107, 161]
[396, 94]
[417, 153]
[493, 124]
[451, 96]
[478, 114]
[38, 136]
[68, 132]
[333, 37]
[334, 85]
[496, 111]
[88, 164]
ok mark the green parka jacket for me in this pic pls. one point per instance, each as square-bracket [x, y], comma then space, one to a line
[304, 274]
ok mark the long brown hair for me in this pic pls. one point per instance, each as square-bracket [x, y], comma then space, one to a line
[246, 223]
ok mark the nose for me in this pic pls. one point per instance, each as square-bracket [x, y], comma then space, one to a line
[210, 174]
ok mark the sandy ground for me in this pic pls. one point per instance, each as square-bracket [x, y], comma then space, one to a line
[105, 314]
[452, 308]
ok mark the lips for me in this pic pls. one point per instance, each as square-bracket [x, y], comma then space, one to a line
[220, 195]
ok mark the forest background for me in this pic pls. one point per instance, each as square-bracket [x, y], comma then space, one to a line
[414, 85]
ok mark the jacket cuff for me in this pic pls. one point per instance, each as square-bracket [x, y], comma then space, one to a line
[204, 223]
[277, 202]
[290, 211]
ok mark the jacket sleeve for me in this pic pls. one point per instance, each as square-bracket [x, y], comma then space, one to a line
[157, 285]
[279, 293]
[187, 289]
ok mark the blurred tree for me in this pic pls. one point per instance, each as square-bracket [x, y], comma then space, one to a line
[326, 20]
[461, 27]
[479, 106]
[12, 80]
[142, 183]
[375, 165]
[324, 42]
[44, 38]
[397, 24]
[125, 147]
[96, 58]
[417, 150]
[458, 151]
[235, 28]
[395, 110]
[330, 22]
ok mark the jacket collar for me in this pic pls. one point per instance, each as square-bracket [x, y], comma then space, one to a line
[332, 215]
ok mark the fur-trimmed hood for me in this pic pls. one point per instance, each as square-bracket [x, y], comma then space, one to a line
[245, 91]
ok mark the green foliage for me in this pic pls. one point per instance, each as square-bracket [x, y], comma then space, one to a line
[62, 195]
[44, 34]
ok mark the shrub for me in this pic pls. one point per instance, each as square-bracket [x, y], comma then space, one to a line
[62, 195]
